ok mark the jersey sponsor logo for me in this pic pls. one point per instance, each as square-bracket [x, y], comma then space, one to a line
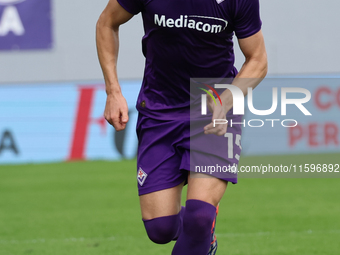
[200, 23]
[219, 1]
[141, 176]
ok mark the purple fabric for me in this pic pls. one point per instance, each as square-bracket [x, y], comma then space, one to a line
[187, 39]
[166, 151]
[179, 231]
[195, 238]
[162, 230]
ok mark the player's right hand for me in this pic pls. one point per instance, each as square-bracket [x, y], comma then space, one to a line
[116, 111]
[218, 112]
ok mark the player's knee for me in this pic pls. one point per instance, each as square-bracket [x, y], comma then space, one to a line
[161, 234]
[197, 219]
[197, 222]
[162, 230]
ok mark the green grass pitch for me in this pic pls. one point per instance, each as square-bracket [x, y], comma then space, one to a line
[84, 208]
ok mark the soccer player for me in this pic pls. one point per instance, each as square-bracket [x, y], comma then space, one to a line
[183, 39]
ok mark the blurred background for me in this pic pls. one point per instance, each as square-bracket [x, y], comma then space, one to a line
[50, 79]
[67, 179]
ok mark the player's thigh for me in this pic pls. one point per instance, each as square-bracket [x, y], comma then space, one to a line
[206, 188]
[161, 203]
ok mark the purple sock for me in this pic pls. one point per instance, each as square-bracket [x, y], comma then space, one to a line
[180, 228]
[195, 238]
[162, 230]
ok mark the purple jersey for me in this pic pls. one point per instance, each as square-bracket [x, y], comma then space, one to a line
[187, 39]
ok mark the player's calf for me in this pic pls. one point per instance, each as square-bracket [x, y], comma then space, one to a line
[195, 238]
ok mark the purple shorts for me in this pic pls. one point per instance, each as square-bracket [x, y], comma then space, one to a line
[167, 150]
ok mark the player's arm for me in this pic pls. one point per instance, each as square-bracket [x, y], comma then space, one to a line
[254, 67]
[116, 109]
[254, 51]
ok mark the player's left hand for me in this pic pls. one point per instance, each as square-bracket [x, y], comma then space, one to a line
[219, 113]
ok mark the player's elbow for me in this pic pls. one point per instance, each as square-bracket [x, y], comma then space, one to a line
[100, 23]
[105, 21]
[264, 65]
[260, 63]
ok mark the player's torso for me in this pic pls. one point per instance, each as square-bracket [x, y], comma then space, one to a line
[191, 38]
[184, 39]
[192, 23]
[190, 16]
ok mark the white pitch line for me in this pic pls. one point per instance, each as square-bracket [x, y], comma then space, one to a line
[44, 240]
[305, 232]
[112, 238]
